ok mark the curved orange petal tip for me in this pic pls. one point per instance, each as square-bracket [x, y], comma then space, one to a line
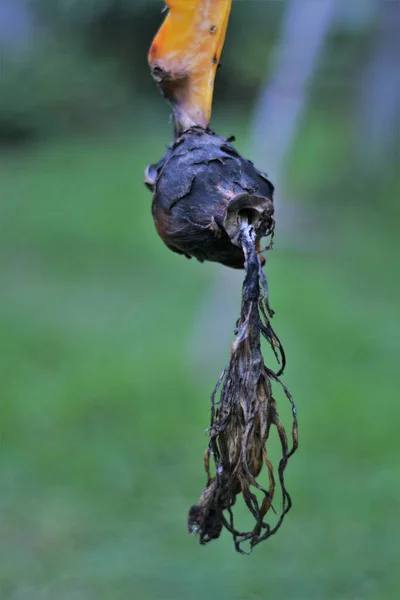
[184, 57]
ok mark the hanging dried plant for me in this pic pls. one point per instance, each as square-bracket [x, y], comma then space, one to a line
[212, 204]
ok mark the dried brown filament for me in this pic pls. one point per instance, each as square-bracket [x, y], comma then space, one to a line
[242, 419]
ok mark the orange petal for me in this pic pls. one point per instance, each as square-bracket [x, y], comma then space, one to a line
[185, 54]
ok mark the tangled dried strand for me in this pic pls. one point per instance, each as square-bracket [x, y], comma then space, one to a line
[242, 419]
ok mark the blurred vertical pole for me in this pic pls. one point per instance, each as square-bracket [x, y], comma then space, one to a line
[16, 23]
[380, 90]
[277, 115]
[284, 95]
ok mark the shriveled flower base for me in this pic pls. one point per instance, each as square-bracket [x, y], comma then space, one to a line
[212, 204]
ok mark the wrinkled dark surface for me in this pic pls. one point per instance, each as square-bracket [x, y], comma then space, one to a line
[193, 185]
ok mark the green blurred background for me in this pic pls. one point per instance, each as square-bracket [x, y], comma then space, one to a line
[110, 345]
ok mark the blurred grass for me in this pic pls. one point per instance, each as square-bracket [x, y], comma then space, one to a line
[103, 410]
